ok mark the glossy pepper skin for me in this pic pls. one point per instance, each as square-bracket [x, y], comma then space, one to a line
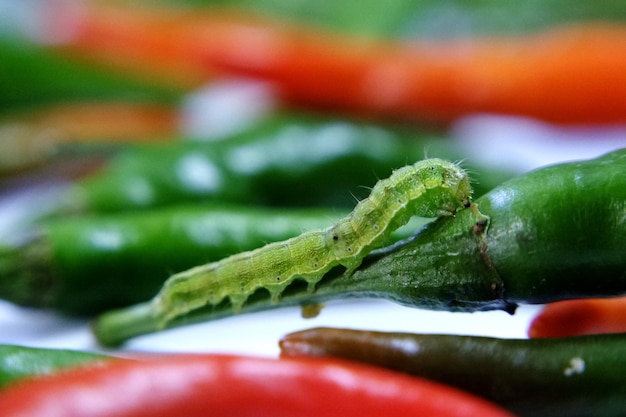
[226, 385]
[577, 376]
[573, 245]
[534, 239]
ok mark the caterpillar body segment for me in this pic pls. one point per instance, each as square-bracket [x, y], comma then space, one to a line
[428, 188]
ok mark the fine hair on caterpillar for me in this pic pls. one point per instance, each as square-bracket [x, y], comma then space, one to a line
[428, 188]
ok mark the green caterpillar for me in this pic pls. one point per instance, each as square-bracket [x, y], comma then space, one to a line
[428, 188]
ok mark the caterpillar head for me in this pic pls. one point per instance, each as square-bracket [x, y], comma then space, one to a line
[460, 187]
[447, 186]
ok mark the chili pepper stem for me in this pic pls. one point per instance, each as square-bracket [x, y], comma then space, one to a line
[114, 327]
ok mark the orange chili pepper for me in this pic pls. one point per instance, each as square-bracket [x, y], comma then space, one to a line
[109, 121]
[580, 317]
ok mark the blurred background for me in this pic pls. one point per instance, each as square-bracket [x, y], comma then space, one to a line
[123, 124]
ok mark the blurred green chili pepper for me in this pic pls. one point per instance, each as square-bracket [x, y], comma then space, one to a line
[31, 76]
[534, 239]
[429, 17]
[17, 362]
[290, 159]
[82, 266]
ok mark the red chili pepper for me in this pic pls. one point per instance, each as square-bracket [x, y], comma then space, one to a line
[580, 317]
[223, 385]
[569, 75]
[139, 40]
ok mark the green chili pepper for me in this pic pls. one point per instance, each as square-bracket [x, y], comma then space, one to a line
[575, 376]
[17, 362]
[290, 159]
[430, 18]
[534, 239]
[31, 76]
[82, 266]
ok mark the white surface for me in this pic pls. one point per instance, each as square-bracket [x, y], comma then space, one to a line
[259, 333]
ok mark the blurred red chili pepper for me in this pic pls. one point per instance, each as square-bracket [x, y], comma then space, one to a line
[580, 317]
[568, 75]
[141, 41]
[223, 385]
